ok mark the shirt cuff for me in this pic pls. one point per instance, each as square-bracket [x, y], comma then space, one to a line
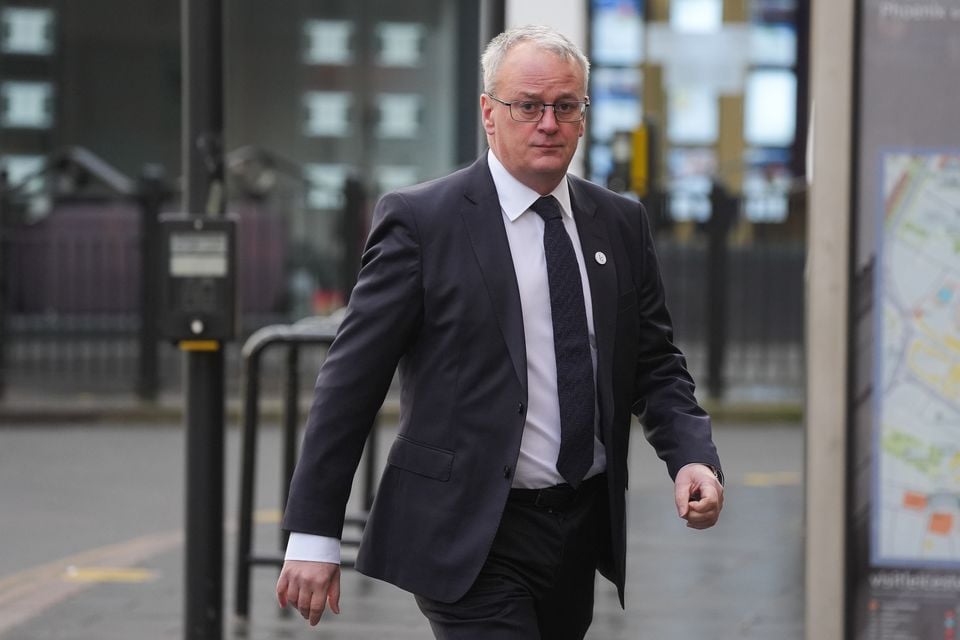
[306, 546]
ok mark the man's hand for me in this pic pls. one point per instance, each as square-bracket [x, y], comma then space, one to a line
[309, 586]
[699, 496]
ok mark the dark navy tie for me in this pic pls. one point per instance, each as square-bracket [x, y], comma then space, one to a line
[575, 386]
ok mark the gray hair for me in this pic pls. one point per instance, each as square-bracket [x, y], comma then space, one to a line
[542, 37]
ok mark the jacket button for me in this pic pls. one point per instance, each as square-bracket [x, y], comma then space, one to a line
[520, 407]
[507, 472]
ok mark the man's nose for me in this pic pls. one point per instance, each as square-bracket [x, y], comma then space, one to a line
[549, 120]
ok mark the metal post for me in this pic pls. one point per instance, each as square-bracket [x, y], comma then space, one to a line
[493, 20]
[203, 195]
[354, 218]
[4, 302]
[291, 421]
[469, 132]
[248, 461]
[717, 291]
[152, 194]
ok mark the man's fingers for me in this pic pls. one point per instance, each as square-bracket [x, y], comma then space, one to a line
[316, 607]
[334, 593]
[282, 584]
[682, 497]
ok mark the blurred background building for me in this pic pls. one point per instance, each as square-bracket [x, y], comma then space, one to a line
[698, 108]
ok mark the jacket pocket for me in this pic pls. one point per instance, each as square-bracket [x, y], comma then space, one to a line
[421, 459]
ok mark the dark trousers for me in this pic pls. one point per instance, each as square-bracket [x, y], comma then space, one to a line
[538, 580]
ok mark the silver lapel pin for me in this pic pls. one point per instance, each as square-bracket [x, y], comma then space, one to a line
[600, 257]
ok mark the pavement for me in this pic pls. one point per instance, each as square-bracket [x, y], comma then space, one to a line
[92, 532]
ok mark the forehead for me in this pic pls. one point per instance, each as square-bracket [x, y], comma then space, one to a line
[530, 70]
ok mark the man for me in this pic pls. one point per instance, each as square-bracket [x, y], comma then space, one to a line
[526, 312]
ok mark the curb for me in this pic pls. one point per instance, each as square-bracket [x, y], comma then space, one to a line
[90, 411]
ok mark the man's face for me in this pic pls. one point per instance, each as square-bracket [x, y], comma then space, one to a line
[535, 153]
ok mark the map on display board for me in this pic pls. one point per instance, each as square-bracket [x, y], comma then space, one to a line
[917, 482]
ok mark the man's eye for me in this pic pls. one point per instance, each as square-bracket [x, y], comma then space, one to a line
[530, 107]
[566, 107]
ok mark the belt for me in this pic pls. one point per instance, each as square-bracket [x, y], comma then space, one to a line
[561, 496]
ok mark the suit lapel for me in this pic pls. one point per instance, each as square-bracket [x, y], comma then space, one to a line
[602, 274]
[484, 222]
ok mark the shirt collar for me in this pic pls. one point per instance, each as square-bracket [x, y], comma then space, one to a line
[516, 197]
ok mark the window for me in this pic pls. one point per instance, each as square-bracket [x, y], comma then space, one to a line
[770, 108]
[696, 16]
[26, 105]
[400, 44]
[326, 185]
[27, 31]
[328, 113]
[328, 42]
[399, 115]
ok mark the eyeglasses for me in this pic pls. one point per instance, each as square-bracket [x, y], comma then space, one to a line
[533, 110]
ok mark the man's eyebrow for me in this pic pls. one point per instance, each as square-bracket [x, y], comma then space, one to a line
[566, 97]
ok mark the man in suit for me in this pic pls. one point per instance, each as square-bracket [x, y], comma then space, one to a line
[526, 312]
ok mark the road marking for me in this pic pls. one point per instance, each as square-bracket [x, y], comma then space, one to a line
[28, 593]
[114, 575]
[774, 479]
[268, 516]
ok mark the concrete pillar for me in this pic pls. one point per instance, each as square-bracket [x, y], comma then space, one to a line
[827, 288]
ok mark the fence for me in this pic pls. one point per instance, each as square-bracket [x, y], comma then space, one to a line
[76, 313]
[78, 309]
[735, 293]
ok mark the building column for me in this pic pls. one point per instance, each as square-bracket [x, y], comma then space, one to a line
[827, 288]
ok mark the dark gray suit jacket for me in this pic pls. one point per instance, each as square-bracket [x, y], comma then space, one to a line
[437, 294]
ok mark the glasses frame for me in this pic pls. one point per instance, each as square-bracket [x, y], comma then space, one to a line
[584, 104]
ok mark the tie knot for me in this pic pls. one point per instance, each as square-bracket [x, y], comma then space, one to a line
[547, 208]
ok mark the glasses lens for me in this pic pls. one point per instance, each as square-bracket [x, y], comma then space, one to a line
[568, 111]
[526, 111]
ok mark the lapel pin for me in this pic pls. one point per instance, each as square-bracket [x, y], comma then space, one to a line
[600, 257]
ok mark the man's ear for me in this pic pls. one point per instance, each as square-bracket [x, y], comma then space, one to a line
[486, 112]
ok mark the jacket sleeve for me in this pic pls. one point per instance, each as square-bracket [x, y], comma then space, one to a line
[382, 320]
[674, 423]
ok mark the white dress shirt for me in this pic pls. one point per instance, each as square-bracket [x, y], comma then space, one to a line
[540, 444]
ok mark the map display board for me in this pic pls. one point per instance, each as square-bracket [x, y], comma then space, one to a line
[917, 520]
[903, 543]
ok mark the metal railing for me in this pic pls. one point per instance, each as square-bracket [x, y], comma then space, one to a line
[304, 333]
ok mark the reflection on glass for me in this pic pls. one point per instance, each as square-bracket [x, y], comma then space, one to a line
[765, 196]
[614, 104]
[26, 105]
[690, 198]
[696, 16]
[400, 43]
[693, 115]
[617, 32]
[392, 177]
[601, 162]
[691, 172]
[24, 173]
[27, 31]
[20, 167]
[328, 113]
[773, 45]
[770, 108]
[328, 42]
[326, 185]
[399, 115]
